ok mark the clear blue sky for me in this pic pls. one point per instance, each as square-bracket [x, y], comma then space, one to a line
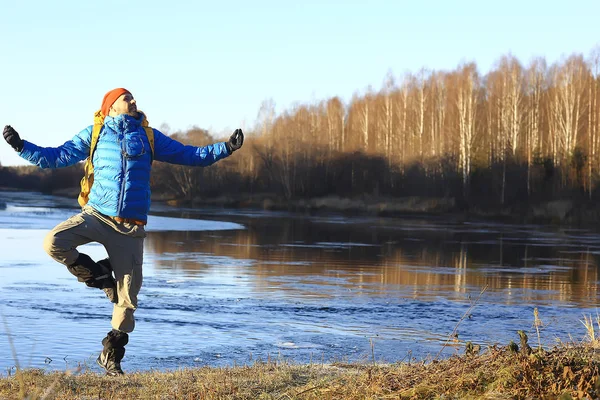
[211, 64]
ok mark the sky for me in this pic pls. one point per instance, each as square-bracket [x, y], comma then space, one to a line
[212, 64]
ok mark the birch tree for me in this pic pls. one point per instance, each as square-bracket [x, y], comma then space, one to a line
[566, 106]
[437, 113]
[593, 113]
[506, 86]
[419, 111]
[265, 120]
[359, 117]
[497, 135]
[403, 112]
[364, 122]
[512, 98]
[466, 105]
[535, 88]
[335, 125]
[388, 123]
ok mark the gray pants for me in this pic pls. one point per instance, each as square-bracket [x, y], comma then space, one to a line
[124, 244]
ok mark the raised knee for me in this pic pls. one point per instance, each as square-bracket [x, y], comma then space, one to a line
[50, 244]
[53, 248]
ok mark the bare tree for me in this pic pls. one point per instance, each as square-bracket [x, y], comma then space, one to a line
[403, 112]
[437, 113]
[418, 101]
[335, 125]
[364, 121]
[506, 98]
[388, 124]
[535, 84]
[593, 113]
[466, 104]
[566, 106]
[513, 82]
[265, 117]
[358, 121]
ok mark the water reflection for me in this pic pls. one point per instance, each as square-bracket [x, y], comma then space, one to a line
[375, 257]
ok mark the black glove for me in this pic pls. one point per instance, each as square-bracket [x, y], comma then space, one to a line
[235, 141]
[12, 137]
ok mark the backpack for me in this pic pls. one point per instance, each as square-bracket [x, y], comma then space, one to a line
[88, 169]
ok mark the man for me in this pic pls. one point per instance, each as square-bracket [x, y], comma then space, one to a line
[117, 204]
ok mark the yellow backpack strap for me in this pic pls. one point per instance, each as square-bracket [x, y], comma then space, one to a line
[150, 134]
[88, 169]
[98, 124]
[95, 135]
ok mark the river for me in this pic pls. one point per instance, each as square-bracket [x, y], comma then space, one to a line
[231, 287]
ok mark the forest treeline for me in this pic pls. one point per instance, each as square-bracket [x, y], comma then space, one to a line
[516, 136]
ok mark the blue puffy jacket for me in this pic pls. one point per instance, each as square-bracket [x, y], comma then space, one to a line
[122, 162]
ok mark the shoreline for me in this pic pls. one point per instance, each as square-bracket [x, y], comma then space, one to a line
[553, 212]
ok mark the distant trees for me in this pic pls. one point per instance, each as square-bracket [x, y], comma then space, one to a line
[183, 181]
[514, 117]
[512, 135]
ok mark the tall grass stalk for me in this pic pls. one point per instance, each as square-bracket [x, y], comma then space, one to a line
[537, 322]
[18, 374]
[588, 322]
[372, 349]
[454, 333]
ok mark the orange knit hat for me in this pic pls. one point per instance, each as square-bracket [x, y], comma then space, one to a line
[110, 98]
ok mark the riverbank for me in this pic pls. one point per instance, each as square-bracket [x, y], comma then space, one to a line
[564, 211]
[569, 211]
[565, 372]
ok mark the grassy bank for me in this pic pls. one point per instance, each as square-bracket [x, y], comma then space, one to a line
[565, 372]
[564, 211]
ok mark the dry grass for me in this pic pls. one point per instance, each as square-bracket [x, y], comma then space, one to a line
[588, 322]
[568, 371]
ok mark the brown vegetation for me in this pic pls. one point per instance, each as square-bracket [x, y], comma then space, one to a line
[565, 372]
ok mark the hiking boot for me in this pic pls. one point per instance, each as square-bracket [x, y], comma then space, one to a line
[95, 274]
[113, 352]
[109, 362]
[107, 283]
